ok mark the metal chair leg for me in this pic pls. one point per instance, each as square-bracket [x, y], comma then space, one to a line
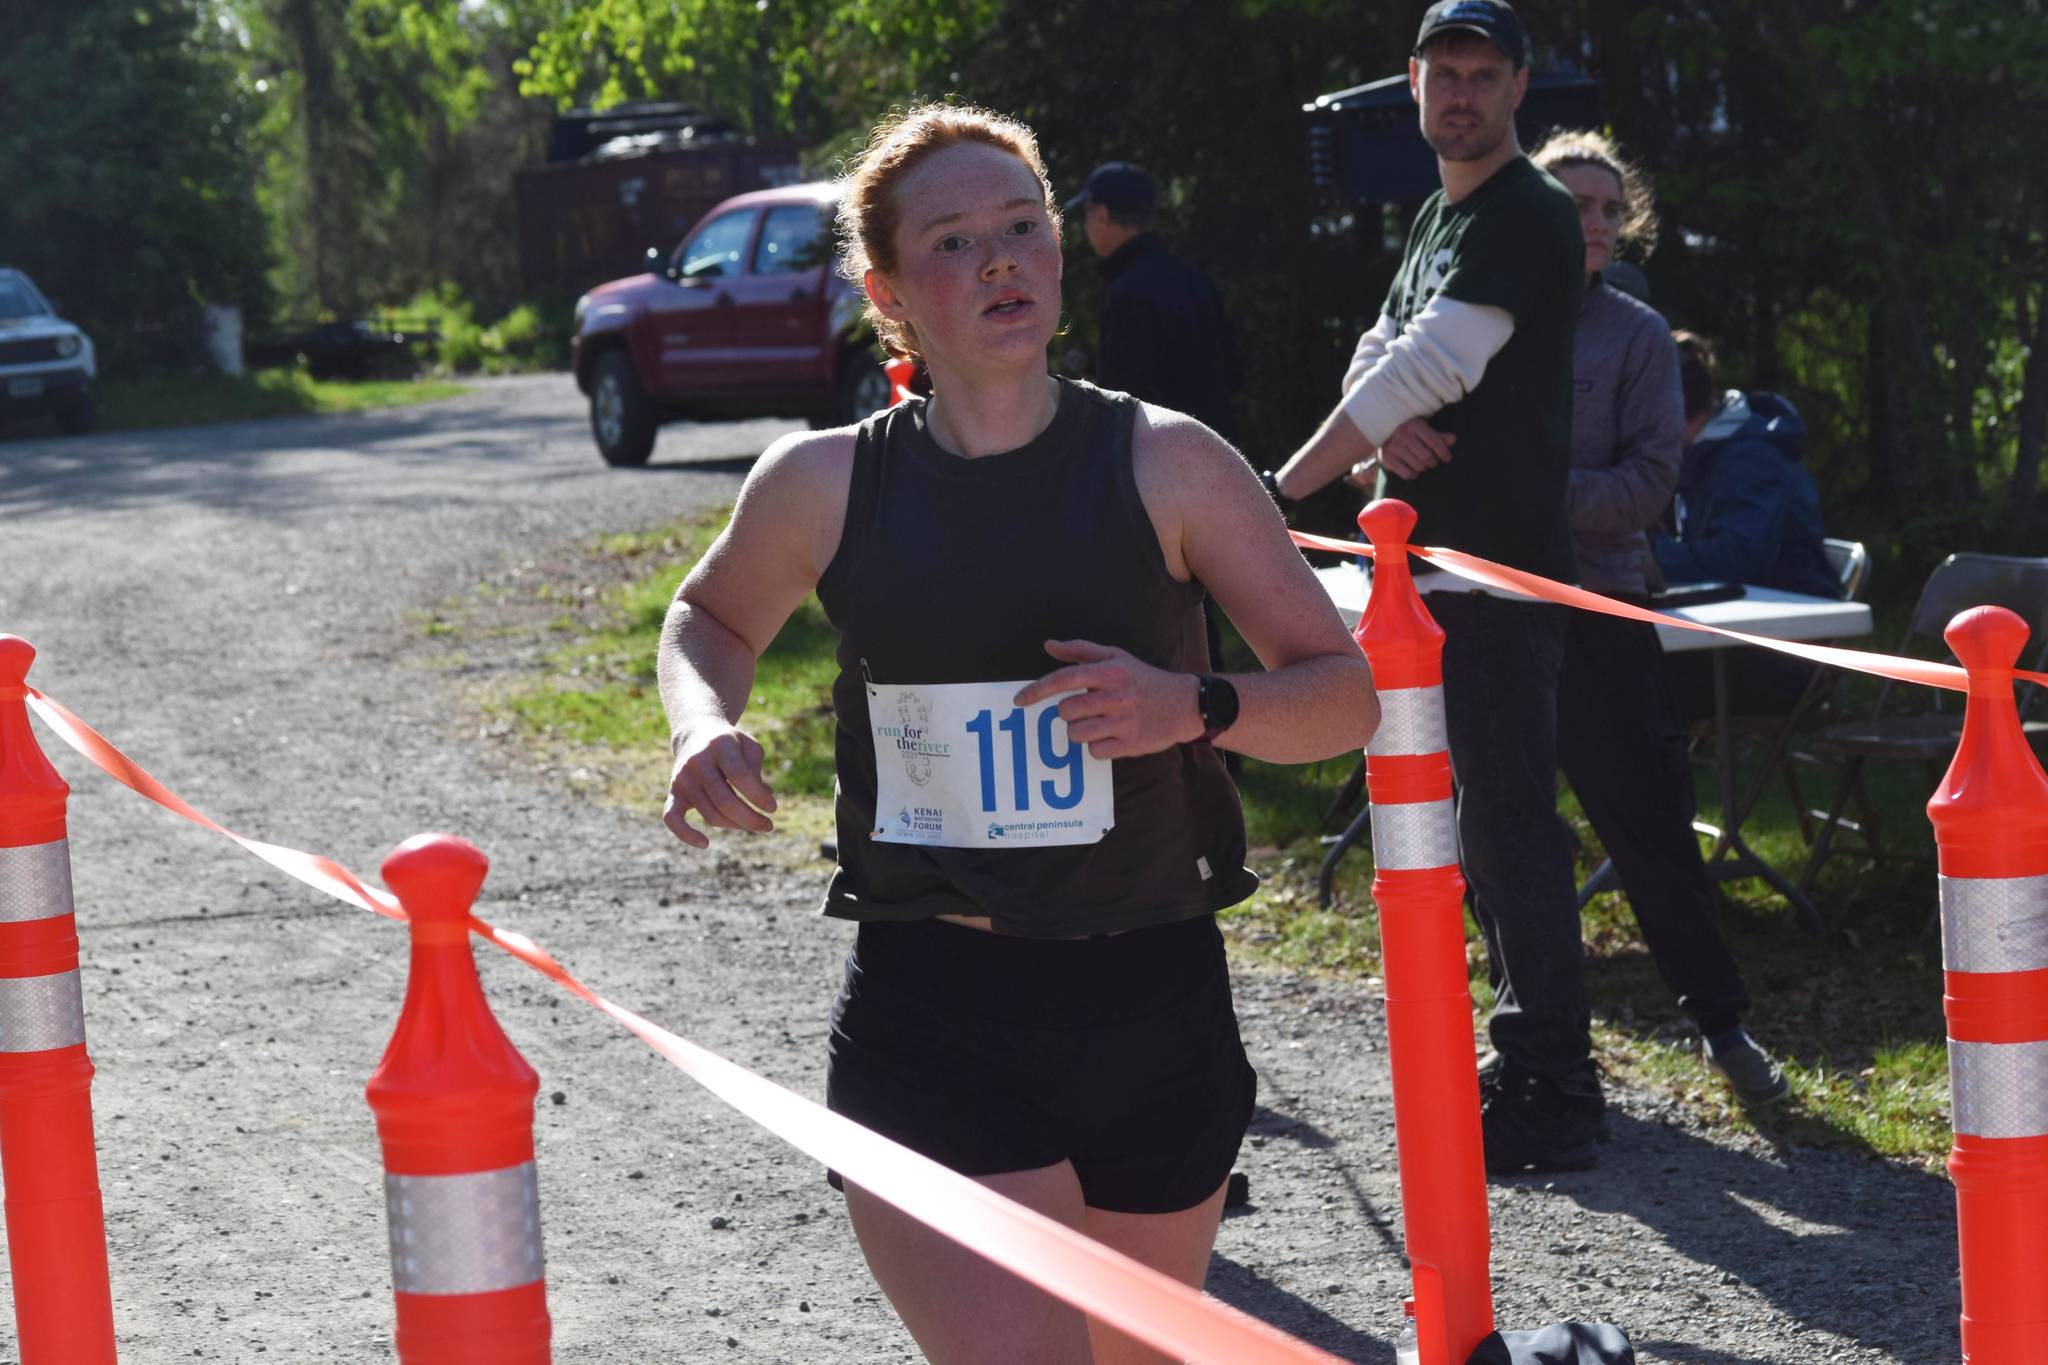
[1604, 878]
[1338, 844]
[1851, 781]
[1347, 795]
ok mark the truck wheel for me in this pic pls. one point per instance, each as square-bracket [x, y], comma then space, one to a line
[622, 417]
[863, 389]
[75, 418]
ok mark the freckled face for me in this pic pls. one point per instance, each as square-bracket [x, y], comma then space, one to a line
[977, 260]
[1598, 195]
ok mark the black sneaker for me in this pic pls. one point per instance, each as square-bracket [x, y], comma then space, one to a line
[1489, 1069]
[1533, 1123]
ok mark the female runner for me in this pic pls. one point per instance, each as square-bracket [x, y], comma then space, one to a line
[1034, 828]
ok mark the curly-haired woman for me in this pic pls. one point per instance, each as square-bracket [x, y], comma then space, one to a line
[1616, 740]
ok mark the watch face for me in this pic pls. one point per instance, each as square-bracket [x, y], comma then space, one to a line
[1217, 700]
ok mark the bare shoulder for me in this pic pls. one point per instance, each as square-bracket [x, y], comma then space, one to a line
[804, 467]
[1171, 450]
[793, 506]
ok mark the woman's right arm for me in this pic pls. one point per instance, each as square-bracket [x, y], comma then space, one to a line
[1628, 494]
[783, 533]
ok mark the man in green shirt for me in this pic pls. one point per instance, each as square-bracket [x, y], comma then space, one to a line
[1461, 397]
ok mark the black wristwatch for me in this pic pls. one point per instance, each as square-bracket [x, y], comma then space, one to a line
[1216, 700]
[1270, 481]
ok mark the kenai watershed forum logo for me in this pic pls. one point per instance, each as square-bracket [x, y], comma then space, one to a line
[921, 819]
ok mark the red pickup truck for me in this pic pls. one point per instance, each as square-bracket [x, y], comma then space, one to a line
[747, 318]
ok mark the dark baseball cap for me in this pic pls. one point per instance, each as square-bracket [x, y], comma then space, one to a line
[1118, 185]
[1493, 20]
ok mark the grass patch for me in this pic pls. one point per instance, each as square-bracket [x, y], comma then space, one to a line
[1857, 1020]
[179, 400]
[593, 704]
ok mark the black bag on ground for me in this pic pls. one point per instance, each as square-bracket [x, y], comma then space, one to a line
[1561, 1343]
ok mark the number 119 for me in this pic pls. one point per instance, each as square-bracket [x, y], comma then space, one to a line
[983, 728]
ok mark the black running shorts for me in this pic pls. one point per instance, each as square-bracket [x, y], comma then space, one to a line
[991, 1053]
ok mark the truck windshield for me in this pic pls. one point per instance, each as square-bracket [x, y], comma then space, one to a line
[18, 300]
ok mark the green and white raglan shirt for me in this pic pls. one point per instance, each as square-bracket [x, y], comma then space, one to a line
[1476, 337]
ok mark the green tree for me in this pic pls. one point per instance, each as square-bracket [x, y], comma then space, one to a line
[129, 195]
[390, 131]
[1853, 201]
[802, 66]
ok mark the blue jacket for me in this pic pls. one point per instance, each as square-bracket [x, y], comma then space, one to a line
[1747, 509]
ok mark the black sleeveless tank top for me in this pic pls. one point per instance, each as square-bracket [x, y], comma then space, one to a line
[957, 571]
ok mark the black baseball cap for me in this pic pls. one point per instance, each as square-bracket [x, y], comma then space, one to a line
[1493, 20]
[1118, 185]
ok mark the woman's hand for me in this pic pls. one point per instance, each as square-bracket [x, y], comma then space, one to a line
[1125, 708]
[717, 773]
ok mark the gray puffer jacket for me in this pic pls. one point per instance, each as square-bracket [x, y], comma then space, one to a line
[1628, 431]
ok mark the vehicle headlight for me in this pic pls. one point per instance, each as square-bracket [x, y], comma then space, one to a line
[67, 346]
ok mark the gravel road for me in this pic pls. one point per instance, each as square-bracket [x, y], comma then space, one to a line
[236, 606]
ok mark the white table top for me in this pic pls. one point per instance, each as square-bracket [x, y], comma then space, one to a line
[1759, 611]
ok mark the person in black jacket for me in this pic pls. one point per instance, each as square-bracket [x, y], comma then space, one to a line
[1165, 338]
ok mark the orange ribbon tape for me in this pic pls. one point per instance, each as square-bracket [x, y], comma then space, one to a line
[1564, 594]
[1103, 1283]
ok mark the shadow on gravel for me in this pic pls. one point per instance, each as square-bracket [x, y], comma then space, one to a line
[1269, 1124]
[707, 464]
[1835, 1240]
[254, 467]
[1249, 1292]
[1686, 1355]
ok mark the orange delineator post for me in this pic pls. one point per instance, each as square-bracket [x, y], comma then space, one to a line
[1990, 819]
[56, 1229]
[901, 369]
[454, 1106]
[1421, 897]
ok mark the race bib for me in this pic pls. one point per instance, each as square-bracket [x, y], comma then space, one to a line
[961, 765]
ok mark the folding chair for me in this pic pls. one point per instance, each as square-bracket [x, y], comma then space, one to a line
[1851, 563]
[1767, 735]
[1929, 737]
[1814, 709]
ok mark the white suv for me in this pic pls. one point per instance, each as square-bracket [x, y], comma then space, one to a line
[46, 363]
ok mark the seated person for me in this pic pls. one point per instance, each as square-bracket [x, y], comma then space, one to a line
[1748, 512]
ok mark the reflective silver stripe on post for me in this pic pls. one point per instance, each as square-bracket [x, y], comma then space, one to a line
[1999, 1090]
[1994, 924]
[1412, 835]
[38, 1013]
[464, 1234]
[1411, 722]
[35, 882]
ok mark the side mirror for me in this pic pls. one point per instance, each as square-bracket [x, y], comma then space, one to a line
[657, 262]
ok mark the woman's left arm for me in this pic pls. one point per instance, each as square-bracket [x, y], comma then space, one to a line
[1217, 526]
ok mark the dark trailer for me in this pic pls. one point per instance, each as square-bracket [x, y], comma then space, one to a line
[632, 177]
[1365, 145]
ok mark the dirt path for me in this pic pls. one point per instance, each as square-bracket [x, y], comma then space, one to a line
[237, 608]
